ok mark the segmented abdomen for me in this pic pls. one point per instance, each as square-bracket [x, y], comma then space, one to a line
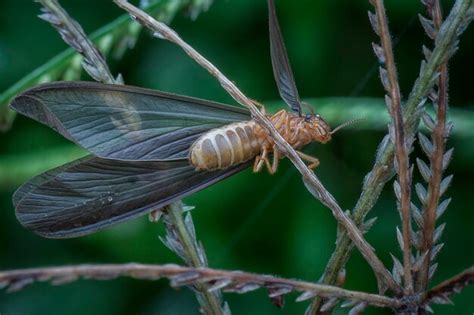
[222, 147]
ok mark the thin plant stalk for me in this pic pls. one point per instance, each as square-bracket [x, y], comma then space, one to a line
[181, 239]
[438, 137]
[390, 82]
[230, 281]
[442, 292]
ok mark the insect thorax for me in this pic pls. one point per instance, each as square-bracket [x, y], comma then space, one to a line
[296, 130]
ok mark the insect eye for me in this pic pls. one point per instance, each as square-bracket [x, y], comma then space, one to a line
[307, 117]
[317, 116]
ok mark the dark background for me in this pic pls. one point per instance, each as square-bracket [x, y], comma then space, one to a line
[251, 222]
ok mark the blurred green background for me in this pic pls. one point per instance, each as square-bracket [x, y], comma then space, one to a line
[251, 222]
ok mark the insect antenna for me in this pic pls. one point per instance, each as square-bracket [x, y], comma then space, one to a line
[345, 124]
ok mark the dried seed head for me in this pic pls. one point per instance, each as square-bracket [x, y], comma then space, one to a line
[424, 169]
[428, 26]
[379, 53]
[397, 189]
[428, 121]
[243, 288]
[384, 78]
[358, 309]
[400, 238]
[305, 296]
[219, 284]
[426, 144]
[435, 251]
[438, 232]
[417, 216]
[374, 22]
[368, 224]
[447, 158]
[432, 270]
[421, 193]
[442, 207]
[397, 270]
[329, 304]
[445, 184]
[427, 52]
[419, 262]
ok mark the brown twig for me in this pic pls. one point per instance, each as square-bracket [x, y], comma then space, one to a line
[230, 281]
[438, 137]
[385, 55]
[311, 181]
[442, 292]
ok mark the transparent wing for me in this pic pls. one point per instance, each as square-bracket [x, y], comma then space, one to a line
[281, 65]
[91, 193]
[124, 122]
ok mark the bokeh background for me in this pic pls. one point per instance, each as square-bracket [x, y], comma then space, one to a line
[252, 222]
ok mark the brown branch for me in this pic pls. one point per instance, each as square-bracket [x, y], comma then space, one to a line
[229, 281]
[311, 181]
[445, 289]
[401, 151]
[436, 161]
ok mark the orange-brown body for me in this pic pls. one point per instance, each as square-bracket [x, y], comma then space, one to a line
[240, 142]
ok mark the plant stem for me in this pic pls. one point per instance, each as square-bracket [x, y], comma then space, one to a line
[401, 152]
[311, 181]
[438, 137]
[232, 281]
[450, 286]
[193, 255]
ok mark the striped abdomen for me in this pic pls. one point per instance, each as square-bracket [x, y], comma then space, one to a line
[222, 147]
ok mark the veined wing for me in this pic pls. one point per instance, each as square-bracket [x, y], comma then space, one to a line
[91, 193]
[124, 122]
[280, 62]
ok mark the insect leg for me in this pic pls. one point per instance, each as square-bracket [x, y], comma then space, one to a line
[278, 119]
[314, 162]
[276, 160]
[283, 121]
[260, 160]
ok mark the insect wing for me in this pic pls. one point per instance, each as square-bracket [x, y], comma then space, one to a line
[39, 180]
[91, 193]
[123, 122]
[281, 65]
